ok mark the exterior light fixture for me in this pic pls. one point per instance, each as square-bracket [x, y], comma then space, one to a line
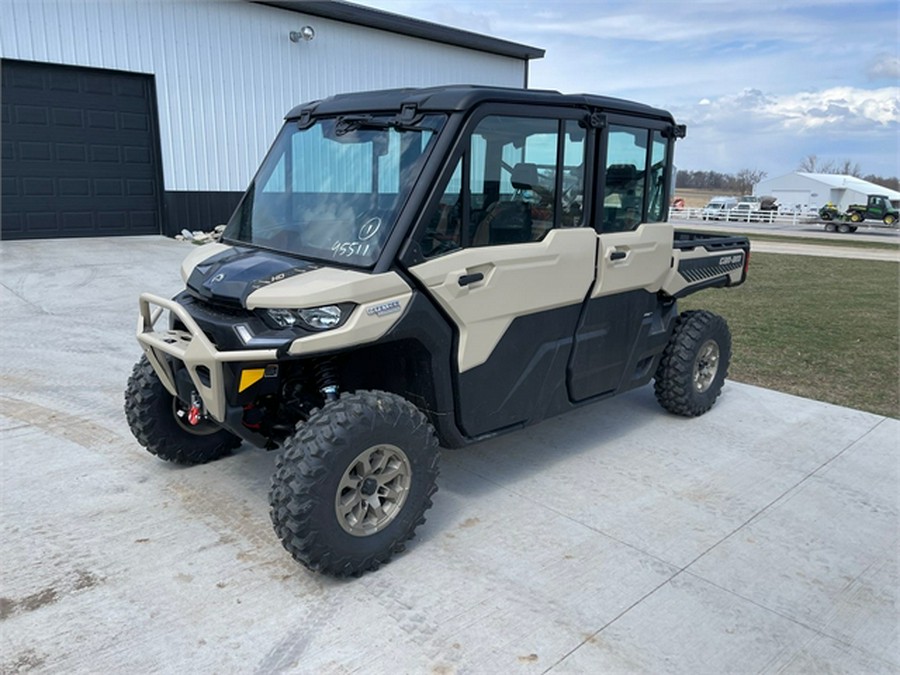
[306, 33]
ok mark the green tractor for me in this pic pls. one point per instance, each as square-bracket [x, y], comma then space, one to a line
[878, 207]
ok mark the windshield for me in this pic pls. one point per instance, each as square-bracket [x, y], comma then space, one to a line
[333, 191]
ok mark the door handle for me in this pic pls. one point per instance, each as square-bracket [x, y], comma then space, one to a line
[467, 279]
[617, 255]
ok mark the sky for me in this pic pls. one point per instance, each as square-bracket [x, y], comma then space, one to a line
[761, 85]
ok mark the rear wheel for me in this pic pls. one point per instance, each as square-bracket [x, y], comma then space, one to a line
[354, 482]
[158, 421]
[694, 364]
[830, 227]
[856, 217]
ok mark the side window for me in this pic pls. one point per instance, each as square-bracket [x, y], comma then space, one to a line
[513, 179]
[572, 199]
[518, 178]
[626, 164]
[444, 232]
[656, 183]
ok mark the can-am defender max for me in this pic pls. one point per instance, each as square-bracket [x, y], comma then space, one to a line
[414, 268]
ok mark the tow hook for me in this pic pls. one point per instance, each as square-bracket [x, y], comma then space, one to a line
[195, 410]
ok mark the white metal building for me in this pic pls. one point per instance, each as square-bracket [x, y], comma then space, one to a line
[803, 190]
[147, 116]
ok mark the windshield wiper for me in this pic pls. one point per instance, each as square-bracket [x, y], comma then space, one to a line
[347, 123]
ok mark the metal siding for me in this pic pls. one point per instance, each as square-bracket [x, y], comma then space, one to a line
[226, 72]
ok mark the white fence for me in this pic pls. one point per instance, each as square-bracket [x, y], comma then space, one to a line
[743, 216]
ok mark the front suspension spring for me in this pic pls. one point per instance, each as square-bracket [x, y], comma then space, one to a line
[326, 377]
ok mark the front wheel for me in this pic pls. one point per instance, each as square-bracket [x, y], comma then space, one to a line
[158, 421]
[353, 483]
[694, 364]
[889, 219]
[843, 228]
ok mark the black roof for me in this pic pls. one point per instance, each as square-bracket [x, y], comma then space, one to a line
[463, 97]
[395, 23]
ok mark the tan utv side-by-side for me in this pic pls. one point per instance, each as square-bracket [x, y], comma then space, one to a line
[419, 268]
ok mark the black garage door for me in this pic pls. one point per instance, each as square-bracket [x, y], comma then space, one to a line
[80, 152]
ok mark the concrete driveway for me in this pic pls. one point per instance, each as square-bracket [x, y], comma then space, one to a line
[761, 537]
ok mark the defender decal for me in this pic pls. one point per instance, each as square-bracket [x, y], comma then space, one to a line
[384, 309]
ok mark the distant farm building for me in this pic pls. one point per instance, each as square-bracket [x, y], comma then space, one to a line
[801, 190]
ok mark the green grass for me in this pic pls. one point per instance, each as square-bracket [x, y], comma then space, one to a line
[822, 328]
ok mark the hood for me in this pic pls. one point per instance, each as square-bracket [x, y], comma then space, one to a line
[231, 274]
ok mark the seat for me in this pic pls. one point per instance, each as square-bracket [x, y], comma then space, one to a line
[620, 201]
[509, 222]
[524, 176]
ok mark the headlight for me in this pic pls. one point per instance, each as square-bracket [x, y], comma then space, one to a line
[321, 318]
[314, 318]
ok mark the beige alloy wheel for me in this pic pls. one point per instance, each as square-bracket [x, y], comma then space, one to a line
[706, 366]
[373, 489]
[694, 364]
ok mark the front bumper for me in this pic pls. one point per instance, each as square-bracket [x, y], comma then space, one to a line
[202, 360]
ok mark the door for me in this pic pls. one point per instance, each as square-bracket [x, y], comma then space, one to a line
[79, 152]
[621, 328]
[511, 266]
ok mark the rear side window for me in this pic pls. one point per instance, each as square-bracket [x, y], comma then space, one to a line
[634, 189]
[626, 163]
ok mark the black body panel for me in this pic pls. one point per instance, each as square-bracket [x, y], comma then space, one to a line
[616, 336]
[549, 362]
[525, 376]
[218, 322]
[414, 359]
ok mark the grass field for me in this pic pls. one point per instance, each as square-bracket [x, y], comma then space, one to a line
[822, 328]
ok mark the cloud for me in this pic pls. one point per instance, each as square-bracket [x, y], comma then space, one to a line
[773, 132]
[885, 66]
[837, 108]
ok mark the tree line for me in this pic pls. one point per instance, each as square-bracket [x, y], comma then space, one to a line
[743, 181]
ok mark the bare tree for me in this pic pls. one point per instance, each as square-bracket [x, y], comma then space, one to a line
[745, 179]
[809, 164]
[812, 164]
[849, 168]
[846, 167]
